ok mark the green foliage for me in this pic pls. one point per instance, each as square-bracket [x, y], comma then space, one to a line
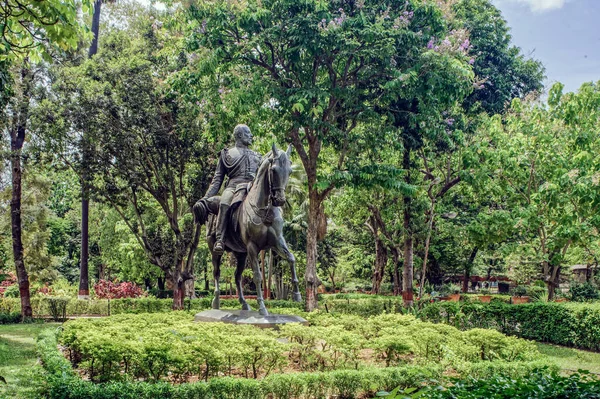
[519, 290]
[63, 383]
[540, 385]
[37, 29]
[152, 346]
[10, 318]
[582, 292]
[562, 324]
[11, 291]
[58, 307]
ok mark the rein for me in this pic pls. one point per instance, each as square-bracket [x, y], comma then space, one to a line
[265, 210]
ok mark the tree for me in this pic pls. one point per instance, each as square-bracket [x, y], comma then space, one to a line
[29, 32]
[543, 158]
[324, 67]
[84, 285]
[502, 73]
[148, 156]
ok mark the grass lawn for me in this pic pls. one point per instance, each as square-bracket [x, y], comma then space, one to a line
[570, 359]
[18, 361]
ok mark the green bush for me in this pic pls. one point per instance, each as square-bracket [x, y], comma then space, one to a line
[63, 382]
[57, 306]
[12, 291]
[152, 346]
[10, 318]
[78, 307]
[569, 324]
[540, 385]
[582, 292]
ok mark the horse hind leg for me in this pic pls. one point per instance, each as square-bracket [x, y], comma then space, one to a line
[216, 261]
[241, 264]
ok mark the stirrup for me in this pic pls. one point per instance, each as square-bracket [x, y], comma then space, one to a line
[219, 248]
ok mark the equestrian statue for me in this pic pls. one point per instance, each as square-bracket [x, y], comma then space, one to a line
[246, 218]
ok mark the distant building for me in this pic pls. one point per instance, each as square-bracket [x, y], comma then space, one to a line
[581, 273]
[496, 284]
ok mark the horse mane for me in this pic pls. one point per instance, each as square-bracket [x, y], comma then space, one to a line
[264, 166]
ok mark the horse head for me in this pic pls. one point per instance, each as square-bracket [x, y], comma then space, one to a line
[280, 168]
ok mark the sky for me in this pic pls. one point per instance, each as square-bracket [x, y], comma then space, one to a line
[563, 34]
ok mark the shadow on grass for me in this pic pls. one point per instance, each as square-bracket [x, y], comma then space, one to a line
[570, 359]
[18, 360]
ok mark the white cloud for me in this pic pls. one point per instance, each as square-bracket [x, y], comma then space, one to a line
[539, 5]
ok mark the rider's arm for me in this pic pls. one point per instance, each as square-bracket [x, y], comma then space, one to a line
[217, 180]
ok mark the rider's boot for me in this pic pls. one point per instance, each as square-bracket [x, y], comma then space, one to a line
[219, 247]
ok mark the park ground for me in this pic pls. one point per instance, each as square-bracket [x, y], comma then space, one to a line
[20, 367]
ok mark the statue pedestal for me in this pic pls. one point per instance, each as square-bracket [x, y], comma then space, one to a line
[250, 317]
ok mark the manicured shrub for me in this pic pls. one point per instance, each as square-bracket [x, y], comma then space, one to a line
[57, 306]
[10, 318]
[568, 324]
[540, 385]
[63, 383]
[153, 346]
[582, 292]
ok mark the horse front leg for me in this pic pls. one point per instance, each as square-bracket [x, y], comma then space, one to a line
[216, 261]
[241, 264]
[257, 277]
[283, 251]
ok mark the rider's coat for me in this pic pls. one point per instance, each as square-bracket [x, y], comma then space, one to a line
[238, 164]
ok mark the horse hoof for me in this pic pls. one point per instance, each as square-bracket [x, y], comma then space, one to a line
[216, 303]
[296, 297]
[263, 311]
[245, 306]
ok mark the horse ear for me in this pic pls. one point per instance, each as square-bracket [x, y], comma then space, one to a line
[289, 151]
[274, 151]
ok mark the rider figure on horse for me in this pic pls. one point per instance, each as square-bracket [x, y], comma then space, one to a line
[239, 164]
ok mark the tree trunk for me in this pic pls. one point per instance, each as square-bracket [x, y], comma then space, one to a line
[407, 273]
[160, 283]
[84, 285]
[553, 282]
[396, 274]
[381, 258]
[15, 207]
[190, 289]
[95, 28]
[178, 289]
[427, 241]
[17, 138]
[468, 269]
[310, 277]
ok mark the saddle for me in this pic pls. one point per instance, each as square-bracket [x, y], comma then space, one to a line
[206, 210]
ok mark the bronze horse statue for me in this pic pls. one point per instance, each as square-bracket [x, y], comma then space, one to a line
[255, 223]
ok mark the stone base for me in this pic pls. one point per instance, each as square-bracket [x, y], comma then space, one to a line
[250, 317]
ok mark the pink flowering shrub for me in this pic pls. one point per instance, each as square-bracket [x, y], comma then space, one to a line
[106, 289]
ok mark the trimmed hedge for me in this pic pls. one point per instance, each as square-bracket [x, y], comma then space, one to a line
[64, 384]
[574, 325]
[10, 318]
[537, 385]
[76, 307]
[156, 346]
